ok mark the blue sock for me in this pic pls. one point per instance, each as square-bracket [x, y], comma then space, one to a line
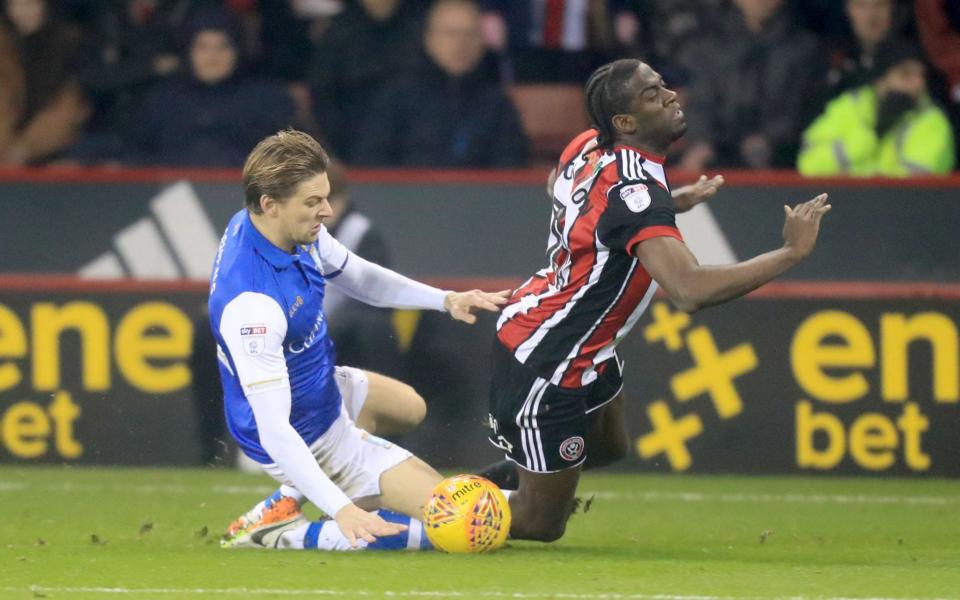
[414, 538]
[325, 535]
[272, 499]
[312, 535]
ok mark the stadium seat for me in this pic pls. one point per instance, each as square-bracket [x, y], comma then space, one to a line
[552, 114]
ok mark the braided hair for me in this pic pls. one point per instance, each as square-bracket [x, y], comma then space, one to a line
[608, 94]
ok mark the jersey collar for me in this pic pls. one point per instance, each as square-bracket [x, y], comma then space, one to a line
[657, 158]
[265, 248]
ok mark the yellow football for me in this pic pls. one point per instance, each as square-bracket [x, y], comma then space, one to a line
[467, 513]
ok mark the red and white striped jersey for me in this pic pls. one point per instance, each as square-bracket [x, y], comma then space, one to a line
[568, 318]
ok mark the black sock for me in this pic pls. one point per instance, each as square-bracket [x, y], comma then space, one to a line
[503, 474]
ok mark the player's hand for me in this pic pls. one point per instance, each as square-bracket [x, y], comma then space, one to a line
[462, 305]
[358, 524]
[802, 224]
[691, 195]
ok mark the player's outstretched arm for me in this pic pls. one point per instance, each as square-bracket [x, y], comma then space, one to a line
[463, 305]
[688, 196]
[692, 286]
[378, 286]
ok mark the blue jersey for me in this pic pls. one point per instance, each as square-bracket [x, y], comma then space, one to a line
[266, 313]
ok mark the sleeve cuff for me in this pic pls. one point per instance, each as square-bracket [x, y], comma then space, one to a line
[335, 503]
[343, 265]
[438, 299]
[652, 232]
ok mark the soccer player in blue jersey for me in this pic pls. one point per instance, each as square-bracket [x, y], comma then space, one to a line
[282, 401]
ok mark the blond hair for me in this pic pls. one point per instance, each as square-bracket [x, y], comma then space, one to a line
[278, 164]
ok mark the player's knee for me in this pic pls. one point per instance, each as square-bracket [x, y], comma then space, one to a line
[547, 529]
[415, 407]
[618, 448]
[553, 531]
[537, 523]
[607, 453]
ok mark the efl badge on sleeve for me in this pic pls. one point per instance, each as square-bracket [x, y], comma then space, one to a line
[254, 339]
[636, 197]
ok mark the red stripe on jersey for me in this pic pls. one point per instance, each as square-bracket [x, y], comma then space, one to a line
[518, 329]
[648, 233]
[584, 256]
[535, 285]
[574, 147]
[510, 335]
[616, 318]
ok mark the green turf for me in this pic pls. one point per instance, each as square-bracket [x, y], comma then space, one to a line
[643, 536]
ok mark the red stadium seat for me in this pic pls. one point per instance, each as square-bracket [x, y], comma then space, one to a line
[552, 114]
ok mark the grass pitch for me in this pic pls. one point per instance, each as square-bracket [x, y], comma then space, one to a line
[152, 533]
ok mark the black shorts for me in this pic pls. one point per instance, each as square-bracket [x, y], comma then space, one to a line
[543, 427]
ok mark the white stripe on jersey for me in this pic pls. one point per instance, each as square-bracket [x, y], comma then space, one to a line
[520, 306]
[631, 165]
[609, 351]
[636, 168]
[526, 348]
[575, 351]
[563, 191]
[657, 172]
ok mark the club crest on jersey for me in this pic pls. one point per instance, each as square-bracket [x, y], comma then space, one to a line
[572, 448]
[636, 197]
[254, 339]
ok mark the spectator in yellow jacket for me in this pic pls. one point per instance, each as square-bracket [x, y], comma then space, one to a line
[889, 128]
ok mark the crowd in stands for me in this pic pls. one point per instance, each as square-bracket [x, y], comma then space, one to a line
[829, 87]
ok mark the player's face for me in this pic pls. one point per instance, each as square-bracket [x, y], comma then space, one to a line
[301, 215]
[655, 108]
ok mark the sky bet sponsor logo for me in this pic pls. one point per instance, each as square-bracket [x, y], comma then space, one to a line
[253, 330]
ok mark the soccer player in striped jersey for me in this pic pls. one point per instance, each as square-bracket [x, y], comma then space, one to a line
[556, 401]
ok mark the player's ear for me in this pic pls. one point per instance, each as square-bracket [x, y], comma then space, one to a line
[267, 204]
[624, 123]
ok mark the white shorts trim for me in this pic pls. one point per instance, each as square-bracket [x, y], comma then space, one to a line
[354, 388]
[607, 401]
[542, 471]
[619, 364]
[352, 458]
